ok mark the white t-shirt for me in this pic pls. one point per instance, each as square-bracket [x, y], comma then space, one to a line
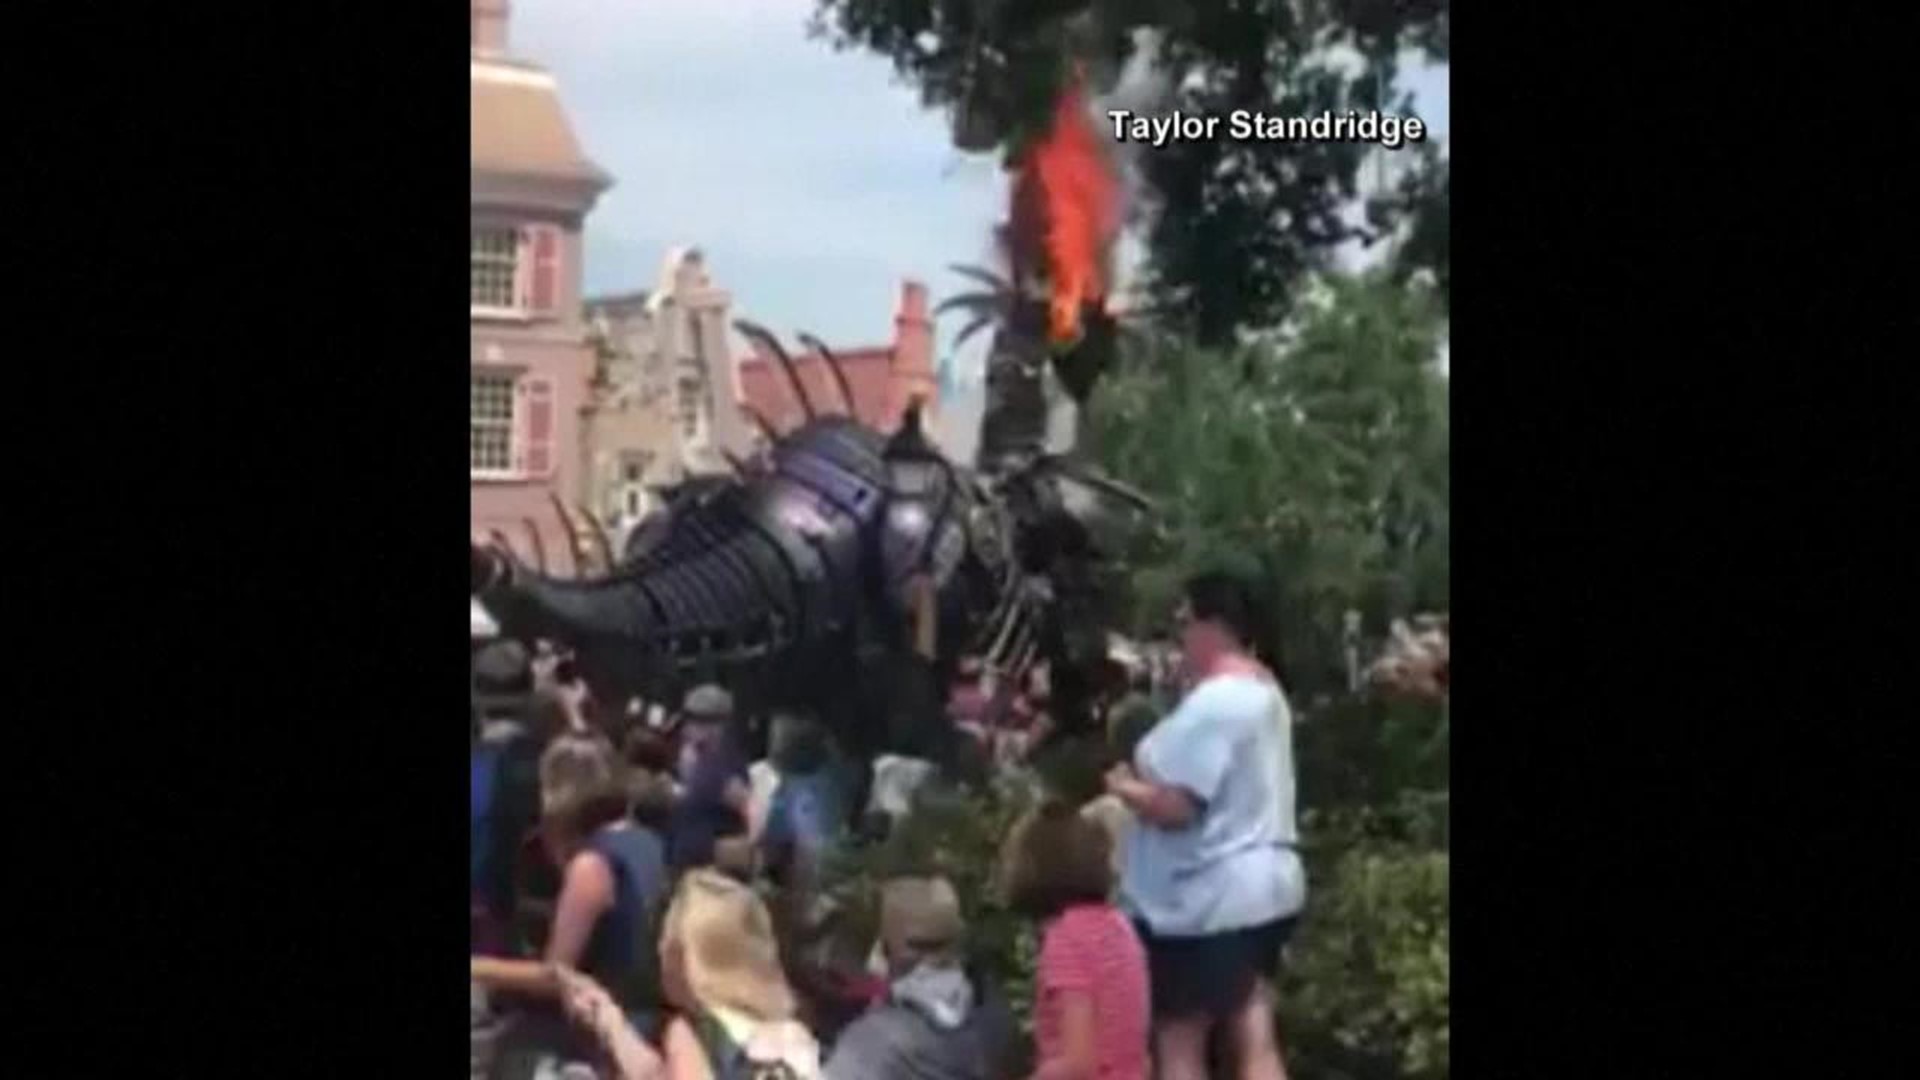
[1230, 745]
[894, 781]
[762, 780]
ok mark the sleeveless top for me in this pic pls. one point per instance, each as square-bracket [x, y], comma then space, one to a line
[618, 953]
[740, 1048]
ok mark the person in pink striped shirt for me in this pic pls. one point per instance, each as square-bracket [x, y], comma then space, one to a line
[1090, 994]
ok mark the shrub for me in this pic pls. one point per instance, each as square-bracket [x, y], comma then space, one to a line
[957, 833]
[1365, 995]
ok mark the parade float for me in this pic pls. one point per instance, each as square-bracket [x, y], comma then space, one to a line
[847, 571]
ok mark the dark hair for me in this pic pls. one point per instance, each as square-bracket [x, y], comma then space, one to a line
[649, 751]
[1219, 597]
[652, 800]
[1106, 680]
[1057, 859]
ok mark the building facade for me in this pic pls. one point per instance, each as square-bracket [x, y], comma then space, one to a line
[671, 398]
[658, 412]
[884, 379]
[531, 364]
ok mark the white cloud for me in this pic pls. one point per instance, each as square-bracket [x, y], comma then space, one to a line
[813, 181]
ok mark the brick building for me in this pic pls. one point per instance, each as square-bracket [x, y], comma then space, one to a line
[530, 363]
[883, 378]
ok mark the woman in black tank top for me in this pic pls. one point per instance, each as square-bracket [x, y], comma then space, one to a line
[614, 871]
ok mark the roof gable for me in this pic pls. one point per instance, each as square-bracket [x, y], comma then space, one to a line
[518, 127]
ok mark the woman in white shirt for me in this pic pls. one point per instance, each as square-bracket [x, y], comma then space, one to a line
[1211, 874]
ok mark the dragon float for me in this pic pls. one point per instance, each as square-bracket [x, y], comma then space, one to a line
[845, 570]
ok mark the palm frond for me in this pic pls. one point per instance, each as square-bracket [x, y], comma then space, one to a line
[971, 329]
[970, 300]
[984, 276]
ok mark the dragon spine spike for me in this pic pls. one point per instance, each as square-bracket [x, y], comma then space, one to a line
[600, 533]
[576, 536]
[838, 571]
[539, 545]
[766, 340]
[833, 365]
[760, 421]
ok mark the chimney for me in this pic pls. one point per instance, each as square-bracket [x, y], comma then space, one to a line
[912, 374]
[489, 27]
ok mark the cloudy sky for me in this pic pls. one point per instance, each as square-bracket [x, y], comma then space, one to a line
[813, 182]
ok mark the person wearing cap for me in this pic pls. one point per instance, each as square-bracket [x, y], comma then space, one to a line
[938, 1020]
[715, 798]
[807, 809]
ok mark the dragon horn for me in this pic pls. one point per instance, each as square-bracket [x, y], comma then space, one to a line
[760, 421]
[539, 545]
[500, 542]
[833, 365]
[600, 534]
[576, 541]
[766, 340]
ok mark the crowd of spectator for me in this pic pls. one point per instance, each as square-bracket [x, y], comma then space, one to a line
[647, 900]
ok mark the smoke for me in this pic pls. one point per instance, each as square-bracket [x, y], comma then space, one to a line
[1142, 86]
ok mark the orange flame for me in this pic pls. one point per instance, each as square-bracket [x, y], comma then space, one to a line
[1071, 179]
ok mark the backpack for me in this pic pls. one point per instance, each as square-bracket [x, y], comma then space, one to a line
[480, 851]
[777, 1050]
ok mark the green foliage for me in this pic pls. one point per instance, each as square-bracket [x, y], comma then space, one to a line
[1318, 464]
[1316, 461]
[1425, 200]
[1367, 752]
[1366, 990]
[956, 833]
[1318, 467]
[1235, 226]
[959, 834]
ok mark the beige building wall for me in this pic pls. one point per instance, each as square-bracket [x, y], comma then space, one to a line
[664, 394]
[529, 360]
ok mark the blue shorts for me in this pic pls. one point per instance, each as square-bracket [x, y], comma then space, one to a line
[1212, 974]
